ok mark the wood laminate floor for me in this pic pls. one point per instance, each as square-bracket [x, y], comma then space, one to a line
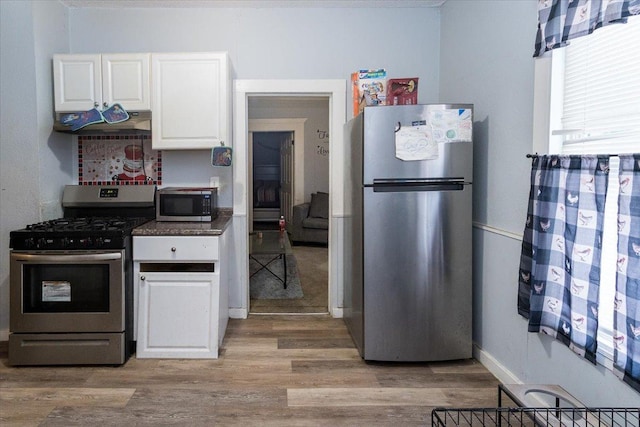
[272, 371]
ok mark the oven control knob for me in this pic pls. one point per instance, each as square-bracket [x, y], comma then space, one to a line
[173, 249]
[99, 242]
[41, 243]
[30, 243]
[85, 242]
[65, 242]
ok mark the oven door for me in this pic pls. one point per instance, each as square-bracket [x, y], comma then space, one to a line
[67, 292]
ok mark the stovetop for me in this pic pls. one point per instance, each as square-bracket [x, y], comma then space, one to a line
[76, 233]
[95, 218]
[85, 224]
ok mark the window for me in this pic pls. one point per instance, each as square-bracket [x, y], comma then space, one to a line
[601, 91]
[587, 101]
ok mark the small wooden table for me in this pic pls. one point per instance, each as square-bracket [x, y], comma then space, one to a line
[270, 243]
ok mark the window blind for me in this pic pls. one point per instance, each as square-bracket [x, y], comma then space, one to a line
[601, 115]
[601, 100]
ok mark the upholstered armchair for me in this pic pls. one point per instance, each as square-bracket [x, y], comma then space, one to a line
[310, 221]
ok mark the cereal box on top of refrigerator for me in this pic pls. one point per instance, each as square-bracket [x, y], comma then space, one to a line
[369, 89]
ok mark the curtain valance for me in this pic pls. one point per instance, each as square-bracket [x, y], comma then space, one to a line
[562, 20]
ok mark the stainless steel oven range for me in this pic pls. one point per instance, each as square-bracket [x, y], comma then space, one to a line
[71, 284]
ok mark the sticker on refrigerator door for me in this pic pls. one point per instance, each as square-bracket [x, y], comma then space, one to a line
[415, 143]
[56, 291]
[451, 125]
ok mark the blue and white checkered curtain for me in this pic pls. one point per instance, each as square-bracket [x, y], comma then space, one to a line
[559, 276]
[563, 20]
[626, 321]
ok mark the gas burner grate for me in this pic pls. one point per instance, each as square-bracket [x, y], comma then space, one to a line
[87, 224]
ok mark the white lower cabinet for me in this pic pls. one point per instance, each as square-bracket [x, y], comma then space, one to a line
[178, 315]
[182, 302]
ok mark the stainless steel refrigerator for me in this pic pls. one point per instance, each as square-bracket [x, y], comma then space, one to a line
[407, 232]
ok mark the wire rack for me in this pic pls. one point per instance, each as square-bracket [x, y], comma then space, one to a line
[582, 417]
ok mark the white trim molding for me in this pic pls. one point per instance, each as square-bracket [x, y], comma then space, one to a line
[336, 91]
[497, 231]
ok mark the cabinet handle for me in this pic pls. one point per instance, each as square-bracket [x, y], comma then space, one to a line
[173, 249]
[95, 104]
[104, 104]
[142, 277]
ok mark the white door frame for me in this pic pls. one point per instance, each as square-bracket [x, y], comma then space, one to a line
[336, 91]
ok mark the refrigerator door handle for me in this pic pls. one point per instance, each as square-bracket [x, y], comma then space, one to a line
[411, 185]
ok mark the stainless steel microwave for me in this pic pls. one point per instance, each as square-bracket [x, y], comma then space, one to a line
[186, 204]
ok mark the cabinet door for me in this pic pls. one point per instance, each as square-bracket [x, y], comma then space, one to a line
[77, 82]
[125, 80]
[190, 100]
[178, 315]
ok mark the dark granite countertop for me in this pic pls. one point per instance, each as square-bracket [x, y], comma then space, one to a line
[213, 228]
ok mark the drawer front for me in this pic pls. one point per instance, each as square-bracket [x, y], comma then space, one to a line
[175, 248]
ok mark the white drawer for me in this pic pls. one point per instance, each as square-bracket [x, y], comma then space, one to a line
[175, 248]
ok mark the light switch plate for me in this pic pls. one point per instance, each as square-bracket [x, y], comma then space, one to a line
[214, 181]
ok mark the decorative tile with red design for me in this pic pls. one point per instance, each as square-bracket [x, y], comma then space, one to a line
[118, 160]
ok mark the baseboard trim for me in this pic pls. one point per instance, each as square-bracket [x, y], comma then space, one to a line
[238, 313]
[503, 374]
[495, 367]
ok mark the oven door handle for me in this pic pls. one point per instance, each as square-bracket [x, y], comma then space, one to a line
[67, 258]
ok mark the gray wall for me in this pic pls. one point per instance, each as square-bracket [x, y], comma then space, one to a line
[34, 163]
[296, 43]
[282, 43]
[486, 59]
[467, 51]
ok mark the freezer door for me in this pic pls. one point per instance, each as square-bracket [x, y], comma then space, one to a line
[454, 159]
[417, 274]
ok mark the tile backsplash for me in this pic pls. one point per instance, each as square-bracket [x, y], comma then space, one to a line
[118, 160]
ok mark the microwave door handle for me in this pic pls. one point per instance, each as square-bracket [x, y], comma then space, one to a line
[67, 258]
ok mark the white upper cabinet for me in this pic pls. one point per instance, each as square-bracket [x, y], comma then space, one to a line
[126, 79]
[77, 82]
[191, 100]
[82, 82]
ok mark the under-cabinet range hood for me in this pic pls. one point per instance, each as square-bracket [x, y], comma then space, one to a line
[138, 122]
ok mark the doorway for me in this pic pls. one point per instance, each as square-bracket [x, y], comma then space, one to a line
[274, 142]
[244, 90]
[271, 176]
[289, 134]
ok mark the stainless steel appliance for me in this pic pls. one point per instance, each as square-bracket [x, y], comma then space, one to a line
[187, 204]
[408, 230]
[71, 284]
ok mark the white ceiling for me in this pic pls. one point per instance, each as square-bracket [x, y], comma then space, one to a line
[111, 4]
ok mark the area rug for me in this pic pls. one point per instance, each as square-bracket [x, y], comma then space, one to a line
[263, 285]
